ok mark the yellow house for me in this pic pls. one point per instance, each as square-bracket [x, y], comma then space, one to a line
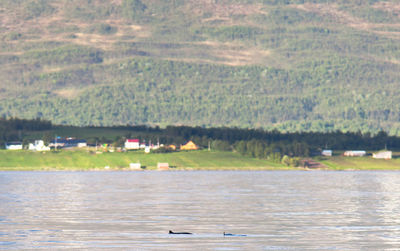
[189, 146]
[172, 147]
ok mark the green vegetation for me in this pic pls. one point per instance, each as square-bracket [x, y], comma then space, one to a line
[195, 160]
[360, 163]
[133, 9]
[293, 65]
[84, 160]
[222, 148]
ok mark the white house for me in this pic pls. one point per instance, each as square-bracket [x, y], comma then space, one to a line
[14, 146]
[132, 144]
[355, 153]
[382, 155]
[38, 146]
[327, 153]
[82, 144]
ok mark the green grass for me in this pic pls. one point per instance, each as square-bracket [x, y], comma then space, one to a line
[361, 163]
[85, 160]
[191, 160]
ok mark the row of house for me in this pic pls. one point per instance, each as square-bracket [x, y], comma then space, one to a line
[58, 143]
[385, 154]
[134, 144]
[68, 143]
[360, 153]
[39, 145]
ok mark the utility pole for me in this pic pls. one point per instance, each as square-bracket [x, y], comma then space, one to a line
[209, 146]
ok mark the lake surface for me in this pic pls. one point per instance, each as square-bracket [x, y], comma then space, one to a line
[276, 210]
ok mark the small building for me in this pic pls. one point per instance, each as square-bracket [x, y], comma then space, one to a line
[355, 153]
[162, 166]
[327, 153]
[189, 146]
[132, 144]
[382, 155]
[38, 145]
[68, 143]
[14, 146]
[81, 144]
[135, 166]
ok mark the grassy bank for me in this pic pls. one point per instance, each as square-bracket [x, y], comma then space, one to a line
[196, 160]
[360, 163]
[84, 160]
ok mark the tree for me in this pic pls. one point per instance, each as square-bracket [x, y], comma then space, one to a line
[119, 142]
[241, 147]
[25, 143]
[47, 138]
[286, 160]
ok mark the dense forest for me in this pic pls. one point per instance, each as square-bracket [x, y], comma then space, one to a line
[14, 129]
[291, 65]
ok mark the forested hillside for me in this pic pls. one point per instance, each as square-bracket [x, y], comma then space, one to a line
[288, 64]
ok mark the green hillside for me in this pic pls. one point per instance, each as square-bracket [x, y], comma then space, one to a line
[287, 64]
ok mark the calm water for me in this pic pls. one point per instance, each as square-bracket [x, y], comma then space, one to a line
[285, 210]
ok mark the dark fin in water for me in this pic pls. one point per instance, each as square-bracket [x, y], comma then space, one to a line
[171, 232]
[228, 234]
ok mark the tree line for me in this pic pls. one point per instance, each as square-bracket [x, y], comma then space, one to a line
[13, 129]
[273, 145]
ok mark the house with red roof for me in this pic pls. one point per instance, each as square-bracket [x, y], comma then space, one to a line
[132, 144]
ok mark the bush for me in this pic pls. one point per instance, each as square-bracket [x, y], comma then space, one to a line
[163, 150]
[103, 29]
[286, 160]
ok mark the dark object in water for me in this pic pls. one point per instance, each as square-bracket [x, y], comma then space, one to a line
[228, 234]
[170, 232]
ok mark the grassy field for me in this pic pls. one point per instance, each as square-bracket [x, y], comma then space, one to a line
[360, 163]
[195, 160]
[84, 160]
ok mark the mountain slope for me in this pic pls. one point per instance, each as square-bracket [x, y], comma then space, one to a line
[292, 65]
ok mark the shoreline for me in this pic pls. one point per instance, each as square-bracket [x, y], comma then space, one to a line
[203, 169]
